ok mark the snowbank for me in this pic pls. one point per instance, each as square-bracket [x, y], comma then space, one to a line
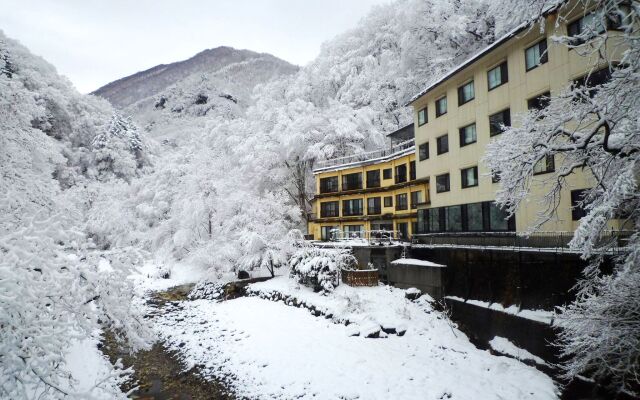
[415, 261]
[504, 346]
[546, 317]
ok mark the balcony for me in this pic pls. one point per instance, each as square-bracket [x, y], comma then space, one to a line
[378, 155]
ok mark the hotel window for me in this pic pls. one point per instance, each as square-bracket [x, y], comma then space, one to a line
[577, 204]
[401, 202]
[330, 209]
[388, 201]
[467, 135]
[386, 173]
[474, 217]
[422, 116]
[469, 177]
[590, 82]
[353, 231]
[441, 106]
[442, 183]
[498, 120]
[442, 144]
[536, 55]
[498, 218]
[590, 25]
[466, 93]
[416, 198]
[351, 207]
[454, 218]
[495, 176]
[327, 232]
[423, 151]
[401, 173]
[352, 181]
[539, 102]
[412, 170]
[373, 178]
[498, 76]
[373, 206]
[329, 185]
[545, 165]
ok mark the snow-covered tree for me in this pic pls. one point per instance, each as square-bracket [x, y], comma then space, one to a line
[592, 128]
[320, 268]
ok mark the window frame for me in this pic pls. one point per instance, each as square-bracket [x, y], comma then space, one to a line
[402, 205]
[351, 214]
[379, 181]
[577, 210]
[462, 131]
[424, 112]
[387, 201]
[399, 176]
[464, 179]
[346, 180]
[492, 124]
[504, 75]
[385, 172]
[537, 98]
[543, 55]
[439, 139]
[439, 112]
[424, 146]
[550, 165]
[377, 209]
[448, 185]
[461, 92]
[415, 201]
[337, 210]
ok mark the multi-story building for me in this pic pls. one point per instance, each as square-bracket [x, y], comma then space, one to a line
[457, 116]
[375, 191]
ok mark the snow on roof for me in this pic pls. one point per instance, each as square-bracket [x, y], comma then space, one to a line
[415, 261]
[475, 57]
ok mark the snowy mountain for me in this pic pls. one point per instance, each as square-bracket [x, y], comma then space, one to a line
[144, 84]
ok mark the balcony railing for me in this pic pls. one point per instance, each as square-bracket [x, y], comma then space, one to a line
[612, 241]
[373, 236]
[371, 155]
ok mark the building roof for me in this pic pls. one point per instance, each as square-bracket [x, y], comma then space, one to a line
[477, 56]
[404, 133]
[372, 157]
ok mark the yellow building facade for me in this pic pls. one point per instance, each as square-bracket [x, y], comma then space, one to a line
[456, 117]
[362, 195]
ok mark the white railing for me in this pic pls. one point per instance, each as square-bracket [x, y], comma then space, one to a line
[371, 155]
[372, 236]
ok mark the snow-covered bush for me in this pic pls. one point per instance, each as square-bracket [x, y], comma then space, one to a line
[320, 268]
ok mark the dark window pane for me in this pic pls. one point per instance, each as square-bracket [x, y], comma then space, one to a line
[352, 207]
[577, 204]
[329, 209]
[539, 102]
[423, 151]
[386, 173]
[412, 170]
[352, 181]
[498, 76]
[401, 202]
[497, 120]
[401, 173]
[474, 217]
[497, 218]
[329, 185]
[469, 177]
[442, 144]
[388, 201]
[466, 93]
[454, 218]
[545, 165]
[442, 183]
[416, 198]
[422, 116]
[373, 206]
[373, 178]
[468, 135]
[536, 55]
[441, 106]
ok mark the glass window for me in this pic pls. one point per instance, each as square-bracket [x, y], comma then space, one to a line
[328, 232]
[401, 202]
[441, 106]
[498, 76]
[373, 206]
[416, 198]
[351, 207]
[591, 81]
[454, 218]
[403, 230]
[587, 27]
[352, 181]
[329, 209]
[329, 185]
[545, 165]
[442, 183]
[474, 217]
[466, 93]
[386, 173]
[497, 218]
[353, 231]
[577, 204]
[536, 55]
[401, 173]
[373, 178]
[434, 220]
[539, 102]
[498, 120]
[422, 116]
[423, 151]
[388, 201]
[468, 135]
[412, 170]
[469, 177]
[442, 144]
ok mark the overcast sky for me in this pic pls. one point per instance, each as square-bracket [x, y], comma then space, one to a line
[94, 42]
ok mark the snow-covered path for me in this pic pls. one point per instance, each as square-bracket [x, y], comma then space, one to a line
[275, 351]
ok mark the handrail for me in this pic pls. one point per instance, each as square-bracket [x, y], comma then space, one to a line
[371, 155]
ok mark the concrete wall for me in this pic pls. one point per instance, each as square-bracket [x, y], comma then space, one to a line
[428, 279]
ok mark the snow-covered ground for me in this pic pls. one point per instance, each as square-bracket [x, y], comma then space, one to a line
[270, 350]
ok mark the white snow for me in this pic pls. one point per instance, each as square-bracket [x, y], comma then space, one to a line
[505, 346]
[415, 261]
[535, 315]
[269, 350]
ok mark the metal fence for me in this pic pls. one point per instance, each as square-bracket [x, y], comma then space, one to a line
[371, 155]
[609, 240]
[372, 236]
